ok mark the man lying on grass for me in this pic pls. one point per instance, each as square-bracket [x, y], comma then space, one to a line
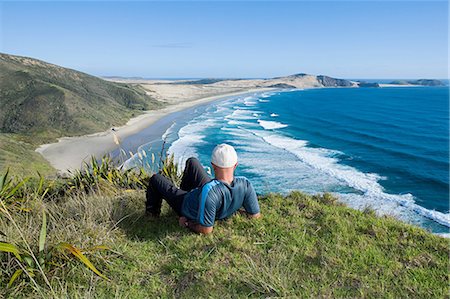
[200, 200]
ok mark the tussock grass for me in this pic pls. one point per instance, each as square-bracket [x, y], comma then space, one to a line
[88, 221]
[303, 246]
[12, 152]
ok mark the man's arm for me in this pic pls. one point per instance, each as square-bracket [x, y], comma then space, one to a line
[195, 227]
[250, 203]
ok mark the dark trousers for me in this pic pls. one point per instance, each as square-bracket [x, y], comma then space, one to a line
[160, 187]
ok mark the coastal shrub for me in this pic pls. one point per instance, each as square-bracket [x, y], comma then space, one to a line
[106, 173]
[10, 190]
[170, 170]
[93, 174]
[15, 191]
[103, 175]
[27, 260]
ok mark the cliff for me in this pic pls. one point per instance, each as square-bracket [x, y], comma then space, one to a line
[333, 82]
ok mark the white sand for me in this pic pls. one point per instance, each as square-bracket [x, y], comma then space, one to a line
[69, 153]
[397, 85]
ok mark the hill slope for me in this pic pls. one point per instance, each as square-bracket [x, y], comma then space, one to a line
[303, 247]
[50, 101]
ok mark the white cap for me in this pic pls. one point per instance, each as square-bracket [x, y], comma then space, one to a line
[224, 156]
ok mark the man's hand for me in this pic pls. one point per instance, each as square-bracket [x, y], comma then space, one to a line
[200, 229]
[254, 216]
[251, 216]
[183, 222]
[195, 227]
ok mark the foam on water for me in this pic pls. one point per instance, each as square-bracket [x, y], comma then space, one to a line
[367, 183]
[271, 125]
[236, 123]
[322, 160]
[266, 94]
[257, 157]
[240, 114]
[189, 138]
[250, 101]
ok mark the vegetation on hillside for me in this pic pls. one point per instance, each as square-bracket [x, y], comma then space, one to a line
[41, 102]
[18, 154]
[303, 246]
[43, 99]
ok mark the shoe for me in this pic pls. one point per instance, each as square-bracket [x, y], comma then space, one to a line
[151, 214]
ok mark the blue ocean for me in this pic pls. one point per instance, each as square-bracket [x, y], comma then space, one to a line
[383, 148]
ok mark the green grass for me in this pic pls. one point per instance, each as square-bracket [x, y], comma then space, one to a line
[19, 156]
[303, 246]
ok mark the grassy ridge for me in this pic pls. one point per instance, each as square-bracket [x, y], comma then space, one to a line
[18, 154]
[41, 102]
[50, 101]
[303, 246]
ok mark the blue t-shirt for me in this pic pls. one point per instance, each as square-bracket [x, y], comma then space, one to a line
[218, 200]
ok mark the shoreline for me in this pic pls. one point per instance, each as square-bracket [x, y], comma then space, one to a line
[384, 85]
[69, 153]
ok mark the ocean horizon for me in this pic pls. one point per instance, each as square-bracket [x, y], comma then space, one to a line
[381, 148]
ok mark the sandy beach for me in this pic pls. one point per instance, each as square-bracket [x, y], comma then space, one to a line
[69, 153]
[398, 85]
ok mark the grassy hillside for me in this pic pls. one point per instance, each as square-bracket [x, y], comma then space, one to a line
[17, 154]
[41, 102]
[303, 246]
[46, 101]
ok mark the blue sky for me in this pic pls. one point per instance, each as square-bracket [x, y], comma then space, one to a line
[365, 39]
